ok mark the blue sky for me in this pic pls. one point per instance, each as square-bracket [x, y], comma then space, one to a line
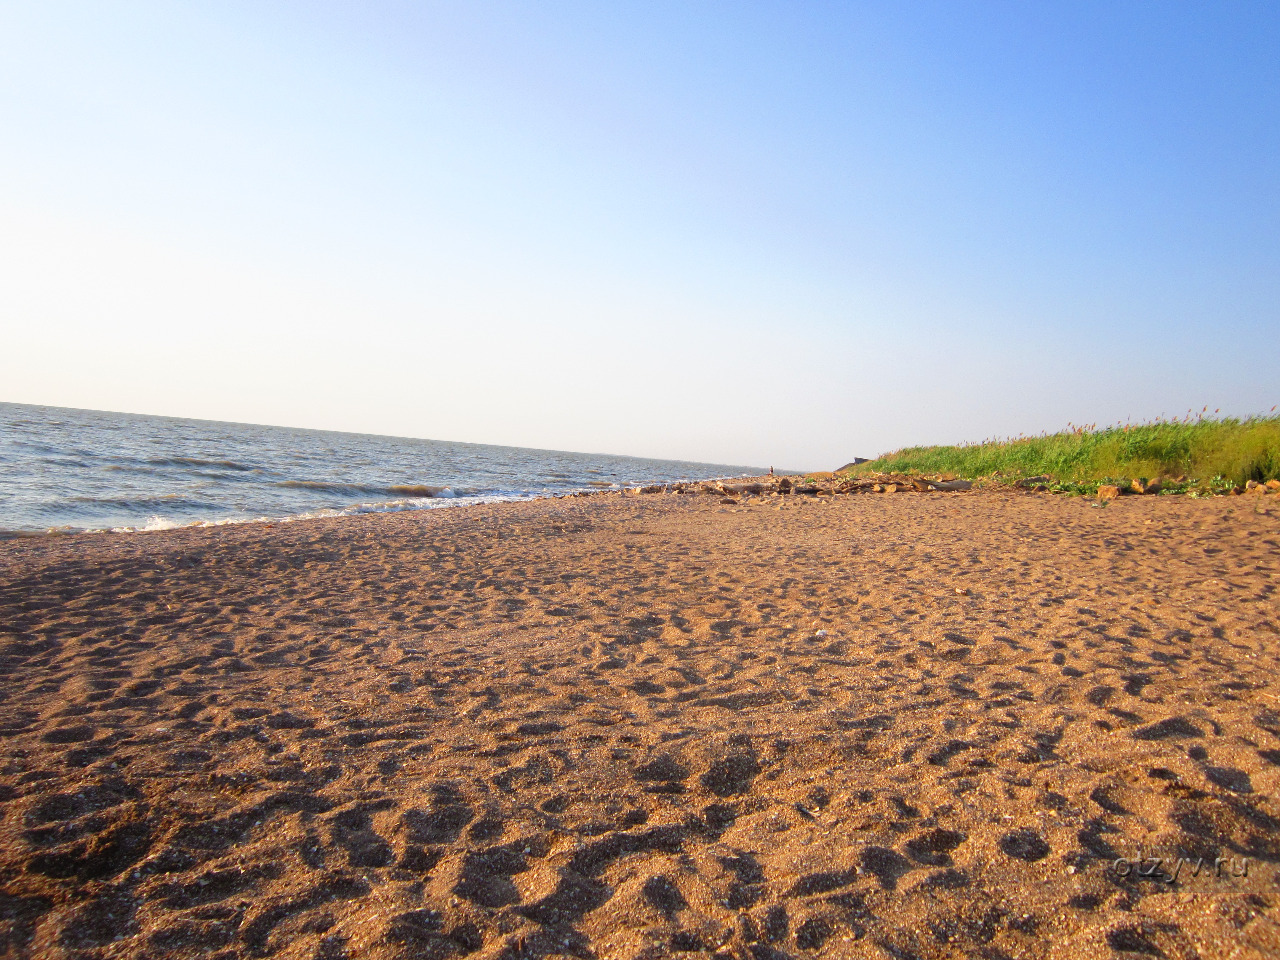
[752, 233]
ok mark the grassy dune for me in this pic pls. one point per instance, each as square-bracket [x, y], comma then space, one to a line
[1206, 452]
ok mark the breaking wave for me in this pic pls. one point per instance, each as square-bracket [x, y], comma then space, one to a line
[366, 489]
[200, 462]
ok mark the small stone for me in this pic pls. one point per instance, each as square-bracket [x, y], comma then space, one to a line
[890, 488]
[1108, 491]
[1273, 485]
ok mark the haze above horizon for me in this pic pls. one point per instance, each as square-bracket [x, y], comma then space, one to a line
[731, 233]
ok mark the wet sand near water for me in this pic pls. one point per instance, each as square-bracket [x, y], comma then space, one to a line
[906, 725]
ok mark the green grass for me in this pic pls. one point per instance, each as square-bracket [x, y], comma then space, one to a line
[1210, 453]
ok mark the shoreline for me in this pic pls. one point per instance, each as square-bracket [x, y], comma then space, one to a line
[820, 483]
[85, 470]
[648, 725]
[434, 501]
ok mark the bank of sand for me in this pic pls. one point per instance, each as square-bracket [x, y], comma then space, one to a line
[910, 725]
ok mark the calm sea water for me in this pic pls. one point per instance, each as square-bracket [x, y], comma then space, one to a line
[90, 470]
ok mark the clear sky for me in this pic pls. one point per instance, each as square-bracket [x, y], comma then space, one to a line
[785, 233]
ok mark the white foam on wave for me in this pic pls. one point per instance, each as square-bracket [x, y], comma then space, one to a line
[157, 522]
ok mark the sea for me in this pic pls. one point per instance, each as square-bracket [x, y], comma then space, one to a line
[64, 470]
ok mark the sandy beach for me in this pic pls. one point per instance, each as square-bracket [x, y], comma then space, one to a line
[899, 725]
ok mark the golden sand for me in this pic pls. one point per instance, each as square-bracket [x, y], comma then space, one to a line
[907, 725]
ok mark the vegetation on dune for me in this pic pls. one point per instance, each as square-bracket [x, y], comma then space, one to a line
[1208, 453]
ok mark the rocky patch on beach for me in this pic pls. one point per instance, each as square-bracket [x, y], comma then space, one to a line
[825, 486]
